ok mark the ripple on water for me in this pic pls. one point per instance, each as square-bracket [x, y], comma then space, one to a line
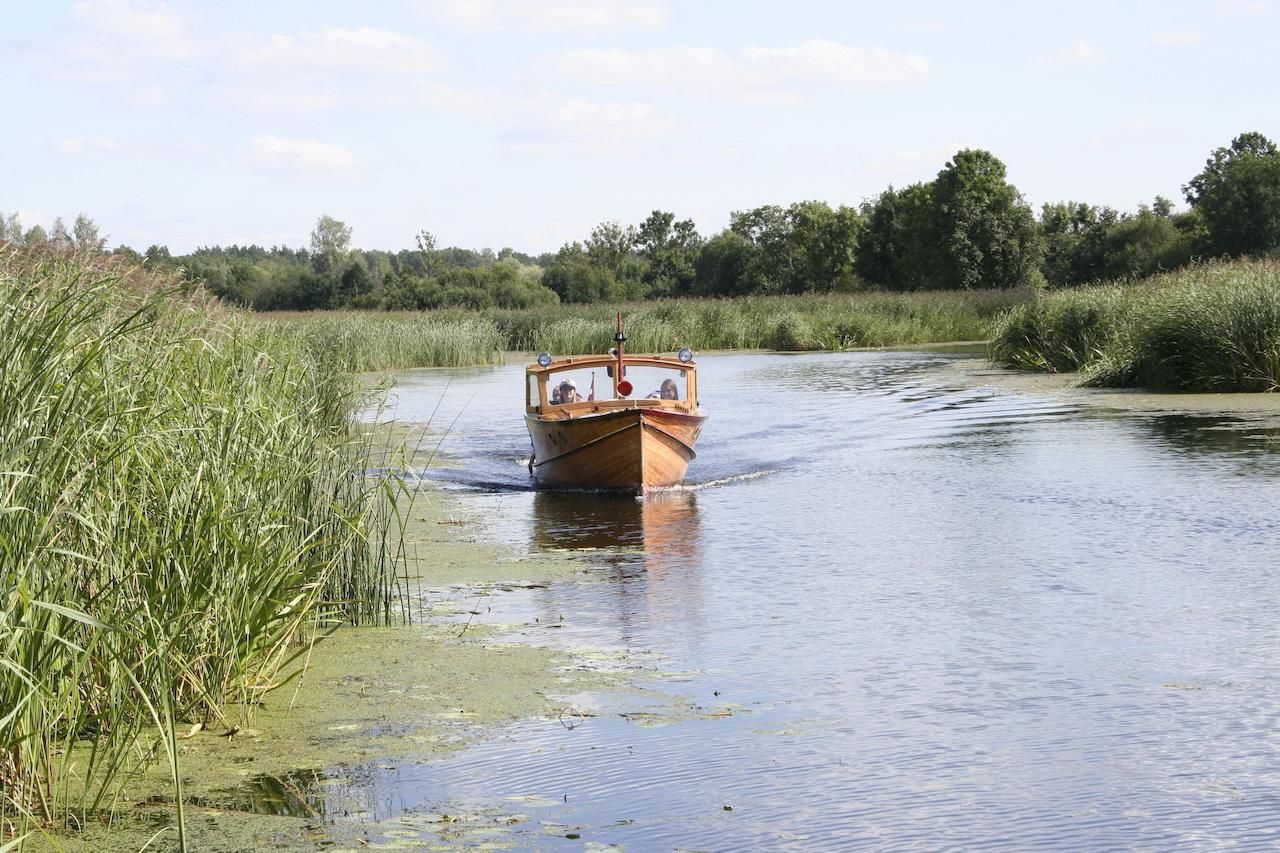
[941, 617]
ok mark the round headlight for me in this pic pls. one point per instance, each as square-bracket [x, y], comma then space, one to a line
[544, 359]
[685, 355]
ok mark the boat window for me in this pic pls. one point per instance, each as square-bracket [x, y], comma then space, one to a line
[659, 383]
[588, 384]
[531, 398]
[647, 382]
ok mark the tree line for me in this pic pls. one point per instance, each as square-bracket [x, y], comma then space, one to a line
[968, 228]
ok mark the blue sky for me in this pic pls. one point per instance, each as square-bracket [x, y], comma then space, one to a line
[504, 123]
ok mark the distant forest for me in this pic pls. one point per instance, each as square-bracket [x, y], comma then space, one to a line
[968, 228]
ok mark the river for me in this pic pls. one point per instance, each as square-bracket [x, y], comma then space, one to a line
[901, 613]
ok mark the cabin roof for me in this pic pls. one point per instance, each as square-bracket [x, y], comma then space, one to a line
[577, 361]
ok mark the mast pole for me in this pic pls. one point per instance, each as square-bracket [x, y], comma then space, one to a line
[619, 339]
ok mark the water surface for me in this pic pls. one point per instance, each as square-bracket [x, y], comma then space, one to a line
[901, 615]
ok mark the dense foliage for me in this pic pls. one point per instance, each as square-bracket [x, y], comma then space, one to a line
[968, 228]
[180, 495]
[1211, 327]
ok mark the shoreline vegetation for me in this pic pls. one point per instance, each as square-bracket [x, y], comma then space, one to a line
[185, 503]
[371, 341]
[186, 490]
[1206, 328]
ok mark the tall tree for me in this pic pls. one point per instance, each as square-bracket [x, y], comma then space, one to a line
[987, 231]
[898, 247]
[11, 228]
[58, 234]
[611, 247]
[1238, 197]
[330, 242]
[669, 252]
[85, 234]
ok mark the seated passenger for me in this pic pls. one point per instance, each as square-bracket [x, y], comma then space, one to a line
[555, 396]
[669, 391]
[569, 392]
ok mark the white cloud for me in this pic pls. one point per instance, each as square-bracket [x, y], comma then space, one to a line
[482, 104]
[1176, 38]
[581, 127]
[303, 155]
[1077, 53]
[755, 73]
[274, 99]
[903, 167]
[549, 16]
[145, 25]
[1243, 7]
[333, 49]
[831, 63]
[80, 146]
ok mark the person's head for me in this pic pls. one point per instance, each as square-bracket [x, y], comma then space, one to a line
[568, 391]
[669, 390]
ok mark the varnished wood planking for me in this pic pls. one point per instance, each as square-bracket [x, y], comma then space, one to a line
[630, 449]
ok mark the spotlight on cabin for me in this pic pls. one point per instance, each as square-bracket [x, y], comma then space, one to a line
[544, 359]
[685, 355]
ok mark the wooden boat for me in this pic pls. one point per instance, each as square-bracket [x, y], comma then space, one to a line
[605, 435]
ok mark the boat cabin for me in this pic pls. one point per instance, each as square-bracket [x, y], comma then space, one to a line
[581, 385]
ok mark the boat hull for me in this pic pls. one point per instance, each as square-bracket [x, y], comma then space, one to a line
[630, 450]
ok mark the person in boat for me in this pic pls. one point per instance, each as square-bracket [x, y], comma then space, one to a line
[569, 392]
[667, 391]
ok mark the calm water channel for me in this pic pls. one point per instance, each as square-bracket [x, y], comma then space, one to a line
[940, 618]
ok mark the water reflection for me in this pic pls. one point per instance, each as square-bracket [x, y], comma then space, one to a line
[949, 617]
[662, 528]
[1242, 439]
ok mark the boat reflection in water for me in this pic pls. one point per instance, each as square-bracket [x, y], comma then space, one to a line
[664, 524]
[652, 547]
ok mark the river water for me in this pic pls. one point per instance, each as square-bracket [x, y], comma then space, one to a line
[900, 613]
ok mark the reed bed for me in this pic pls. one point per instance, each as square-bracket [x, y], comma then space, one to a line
[1212, 327]
[181, 501]
[361, 341]
[366, 341]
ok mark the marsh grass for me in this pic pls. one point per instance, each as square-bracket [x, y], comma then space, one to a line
[361, 341]
[366, 341]
[1212, 327]
[181, 501]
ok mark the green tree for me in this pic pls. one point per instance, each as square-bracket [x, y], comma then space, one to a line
[579, 280]
[1237, 196]
[59, 237]
[805, 247]
[727, 266]
[611, 247]
[158, 255]
[85, 235]
[668, 251]
[35, 236]
[1144, 244]
[11, 228]
[987, 232]
[898, 247]
[330, 242]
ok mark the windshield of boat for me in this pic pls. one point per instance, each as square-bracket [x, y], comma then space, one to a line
[585, 384]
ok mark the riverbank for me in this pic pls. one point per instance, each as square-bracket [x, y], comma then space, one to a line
[1212, 327]
[386, 700]
[978, 372]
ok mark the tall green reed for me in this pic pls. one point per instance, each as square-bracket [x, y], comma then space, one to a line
[1211, 327]
[181, 500]
[366, 341]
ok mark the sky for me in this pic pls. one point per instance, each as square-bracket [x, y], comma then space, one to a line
[524, 123]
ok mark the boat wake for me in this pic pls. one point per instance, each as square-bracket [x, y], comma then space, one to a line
[719, 481]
